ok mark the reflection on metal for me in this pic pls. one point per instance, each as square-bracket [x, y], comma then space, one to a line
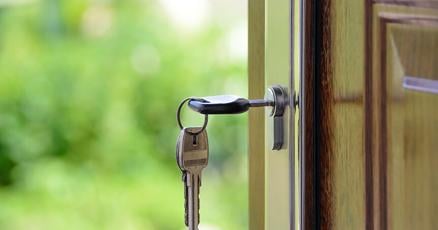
[278, 95]
[420, 84]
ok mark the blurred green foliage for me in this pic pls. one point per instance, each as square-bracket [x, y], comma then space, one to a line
[88, 93]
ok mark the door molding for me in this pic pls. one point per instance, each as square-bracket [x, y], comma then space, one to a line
[256, 127]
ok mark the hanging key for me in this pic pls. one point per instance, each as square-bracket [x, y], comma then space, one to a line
[192, 158]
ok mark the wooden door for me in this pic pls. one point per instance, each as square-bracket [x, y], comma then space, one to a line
[370, 134]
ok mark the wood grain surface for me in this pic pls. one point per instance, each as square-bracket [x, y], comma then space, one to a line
[405, 43]
[370, 144]
[334, 127]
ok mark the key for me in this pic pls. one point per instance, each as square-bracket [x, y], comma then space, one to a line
[277, 97]
[183, 178]
[186, 188]
[192, 158]
[225, 104]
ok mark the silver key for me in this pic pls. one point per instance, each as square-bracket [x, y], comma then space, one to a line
[183, 178]
[192, 158]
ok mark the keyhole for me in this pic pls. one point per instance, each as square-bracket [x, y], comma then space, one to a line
[195, 140]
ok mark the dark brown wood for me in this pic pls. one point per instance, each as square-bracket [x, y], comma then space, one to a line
[369, 193]
[383, 145]
[324, 99]
[325, 105]
[317, 127]
[308, 209]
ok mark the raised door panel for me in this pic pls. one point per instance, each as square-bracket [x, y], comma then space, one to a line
[405, 76]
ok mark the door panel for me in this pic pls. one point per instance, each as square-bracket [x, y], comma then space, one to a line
[368, 115]
[405, 51]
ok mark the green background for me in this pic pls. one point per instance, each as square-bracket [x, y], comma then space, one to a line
[88, 94]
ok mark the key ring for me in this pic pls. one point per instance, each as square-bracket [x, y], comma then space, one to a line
[178, 118]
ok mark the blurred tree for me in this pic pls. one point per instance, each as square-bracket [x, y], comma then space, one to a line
[88, 92]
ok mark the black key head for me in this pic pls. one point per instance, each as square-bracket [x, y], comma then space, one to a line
[223, 104]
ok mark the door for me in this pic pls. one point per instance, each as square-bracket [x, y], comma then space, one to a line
[371, 110]
[366, 142]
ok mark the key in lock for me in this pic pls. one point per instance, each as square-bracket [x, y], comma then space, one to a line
[276, 97]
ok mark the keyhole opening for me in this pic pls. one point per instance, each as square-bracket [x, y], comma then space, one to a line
[195, 140]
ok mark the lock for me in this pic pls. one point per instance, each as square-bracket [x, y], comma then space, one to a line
[280, 99]
[276, 97]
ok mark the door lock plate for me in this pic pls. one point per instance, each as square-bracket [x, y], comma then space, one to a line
[280, 100]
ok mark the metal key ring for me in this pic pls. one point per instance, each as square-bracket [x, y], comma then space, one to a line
[178, 118]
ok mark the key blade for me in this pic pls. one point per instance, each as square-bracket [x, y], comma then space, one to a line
[186, 207]
[193, 158]
[193, 200]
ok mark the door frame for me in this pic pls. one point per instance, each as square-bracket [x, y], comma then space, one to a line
[272, 203]
[256, 120]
